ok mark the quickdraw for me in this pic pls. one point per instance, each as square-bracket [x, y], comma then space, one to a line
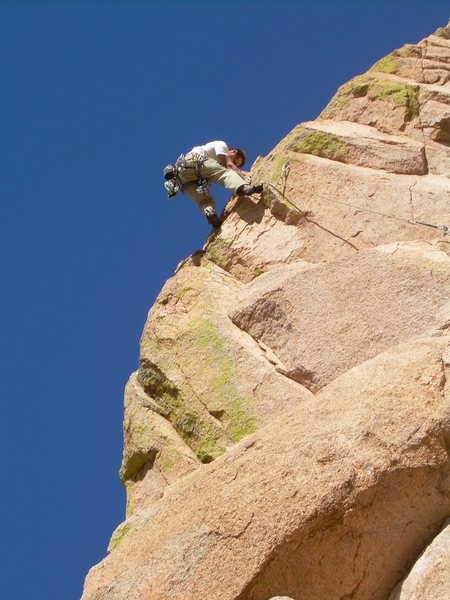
[443, 228]
[282, 179]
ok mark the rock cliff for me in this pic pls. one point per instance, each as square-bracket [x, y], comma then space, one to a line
[287, 433]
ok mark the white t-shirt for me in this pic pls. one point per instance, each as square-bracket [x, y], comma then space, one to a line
[212, 149]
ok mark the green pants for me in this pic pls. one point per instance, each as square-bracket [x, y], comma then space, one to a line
[213, 171]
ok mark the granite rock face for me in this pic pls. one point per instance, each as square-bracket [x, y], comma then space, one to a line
[430, 576]
[287, 432]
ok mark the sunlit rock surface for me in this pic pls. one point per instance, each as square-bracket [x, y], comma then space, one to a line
[430, 576]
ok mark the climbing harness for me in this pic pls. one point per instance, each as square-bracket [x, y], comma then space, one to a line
[203, 184]
[283, 179]
[173, 183]
[198, 158]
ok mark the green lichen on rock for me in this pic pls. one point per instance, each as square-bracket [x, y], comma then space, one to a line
[167, 465]
[167, 459]
[410, 98]
[356, 88]
[197, 433]
[157, 385]
[124, 530]
[388, 64]
[180, 293]
[399, 93]
[409, 51]
[275, 172]
[187, 422]
[392, 63]
[132, 463]
[257, 271]
[320, 143]
[220, 371]
[241, 422]
[151, 345]
[137, 451]
[207, 449]
[218, 251]
[130, 498]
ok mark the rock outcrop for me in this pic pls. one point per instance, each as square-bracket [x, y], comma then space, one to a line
[430, 576]
[287, 433]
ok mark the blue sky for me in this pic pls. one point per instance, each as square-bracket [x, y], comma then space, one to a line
[96, 97]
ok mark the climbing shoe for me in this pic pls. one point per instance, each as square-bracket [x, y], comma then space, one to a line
[248, 190]
[211, 217]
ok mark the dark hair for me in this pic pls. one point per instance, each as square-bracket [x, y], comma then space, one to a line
[240, 154]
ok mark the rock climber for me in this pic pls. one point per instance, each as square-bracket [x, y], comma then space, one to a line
[212, 162]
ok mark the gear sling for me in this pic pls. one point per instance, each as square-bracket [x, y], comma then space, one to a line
[173, 184]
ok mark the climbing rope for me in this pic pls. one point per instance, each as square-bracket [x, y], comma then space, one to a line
[443, 228]
[283, 180]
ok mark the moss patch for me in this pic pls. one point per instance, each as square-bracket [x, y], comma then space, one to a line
[320, 143]
[132, 463]
[130, 504]
[167, 466]
[207, 449]
[275, 172]
[409, 51]
[180, 293]
[218, 252]
[257, 271]
[137, 451]
[400, 94]
[222, 379]
[167, 460]
[241, 423]
[188, 423]
[157, 385]
[156, 346]
[388, 64]
[120, 534]
[410, 98]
